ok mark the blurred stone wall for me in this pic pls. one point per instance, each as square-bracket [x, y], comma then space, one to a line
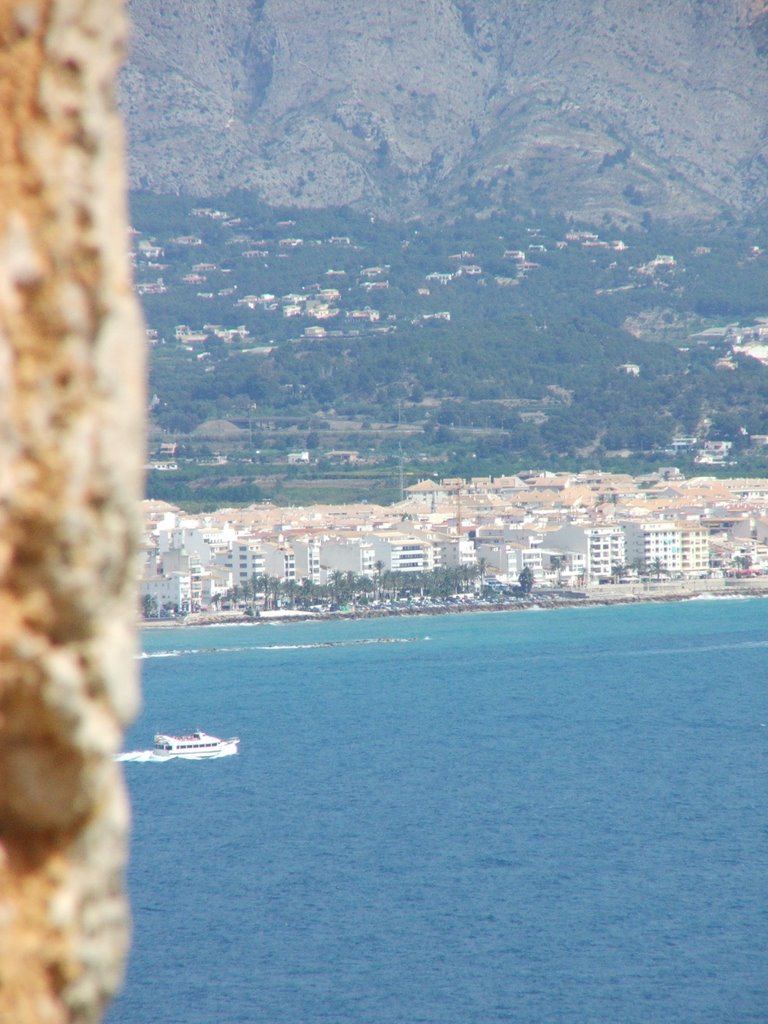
[71, 450]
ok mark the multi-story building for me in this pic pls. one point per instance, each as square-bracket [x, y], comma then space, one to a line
[400, 552]
[694, 548]
[173, 591]
[655, 544]
[244, 559]
[307, 560]
[509, 558]
[279, 560]
[451, 552]
[676, 548]
[564, 568]
[176, 563]
[348, 554]
[603, 545]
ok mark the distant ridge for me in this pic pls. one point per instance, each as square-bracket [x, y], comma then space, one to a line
[609, 111]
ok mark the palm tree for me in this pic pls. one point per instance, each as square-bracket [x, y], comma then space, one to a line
[467, 575]
[556, 562]
[257, 585]
[440, 583]
[291, 588]
[459, 577]
[352, 586]
[274, 586]
[337, 582]
[379, 567]
[396, 584]
[639, 566]
[525, 580]
[307, 594]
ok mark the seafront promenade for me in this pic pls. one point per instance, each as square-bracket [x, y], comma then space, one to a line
[602, 594]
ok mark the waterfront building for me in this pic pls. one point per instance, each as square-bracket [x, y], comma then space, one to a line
[450, 551]
[676, 548]
[602, 545]
[279, 560]
[244, 558]
[509, 558]
[307, 558]
[402, 552]
[173, 591]
[348, 554]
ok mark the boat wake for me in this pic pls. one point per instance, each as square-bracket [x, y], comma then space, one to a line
[153, 757]
[338, 643]
[317, 645]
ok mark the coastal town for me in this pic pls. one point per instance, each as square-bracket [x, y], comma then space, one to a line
[533, 535]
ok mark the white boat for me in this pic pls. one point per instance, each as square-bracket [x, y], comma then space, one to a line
[194, 744]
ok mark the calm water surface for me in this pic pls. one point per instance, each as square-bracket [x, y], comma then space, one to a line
[533, 817]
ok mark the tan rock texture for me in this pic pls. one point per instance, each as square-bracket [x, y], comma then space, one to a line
[71, 410]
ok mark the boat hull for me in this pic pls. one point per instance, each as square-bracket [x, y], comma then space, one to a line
[226, 747]
[194, 746]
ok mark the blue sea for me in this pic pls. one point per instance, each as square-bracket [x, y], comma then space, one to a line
[545, 817]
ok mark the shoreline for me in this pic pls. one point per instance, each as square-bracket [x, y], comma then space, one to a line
[592, 598]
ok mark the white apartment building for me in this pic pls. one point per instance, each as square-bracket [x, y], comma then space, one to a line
[509, 558]
[348, 554]
[453, 552]
[189, 566]
[603, 545]
[244, 559]
[401, 552]
[564, 568]
[279, 560]
[188, 539]
[655, 543]
[214, 584]
[172, 591]
[677, 548]
[307, 560]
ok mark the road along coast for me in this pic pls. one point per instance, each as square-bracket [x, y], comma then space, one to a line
[605, 594]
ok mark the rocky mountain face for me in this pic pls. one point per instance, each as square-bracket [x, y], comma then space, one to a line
[604, 109]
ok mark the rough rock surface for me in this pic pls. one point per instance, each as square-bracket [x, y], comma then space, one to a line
[598, 108]
[70, 456]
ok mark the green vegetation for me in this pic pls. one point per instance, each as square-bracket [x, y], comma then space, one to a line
[544, 341]
[349, 590]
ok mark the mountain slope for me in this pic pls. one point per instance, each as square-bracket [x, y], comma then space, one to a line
[604, 109]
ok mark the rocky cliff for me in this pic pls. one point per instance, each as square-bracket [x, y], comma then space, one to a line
[71, 448]
[602, 108]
